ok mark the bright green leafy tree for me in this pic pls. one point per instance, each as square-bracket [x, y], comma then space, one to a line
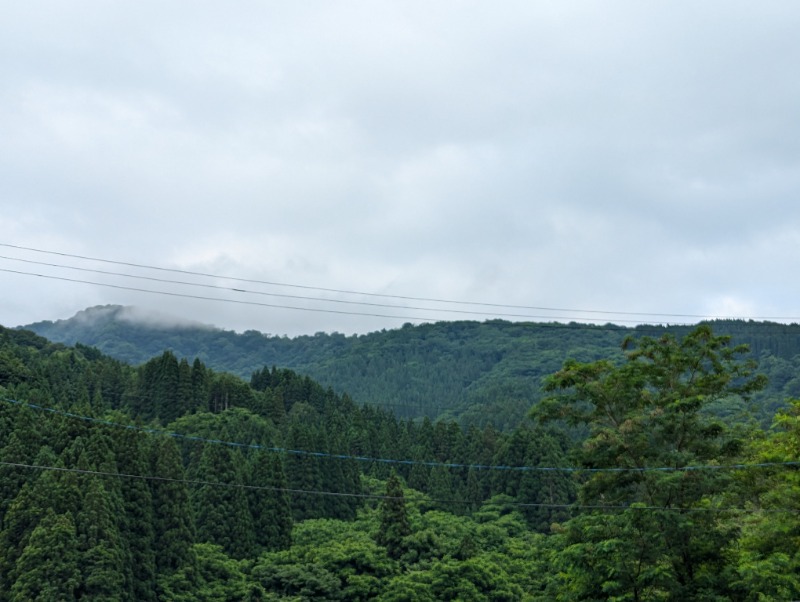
[646, 416]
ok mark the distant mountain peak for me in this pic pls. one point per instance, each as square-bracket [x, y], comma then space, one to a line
[130, 314]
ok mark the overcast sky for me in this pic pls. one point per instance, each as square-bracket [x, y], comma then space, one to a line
[631, 157]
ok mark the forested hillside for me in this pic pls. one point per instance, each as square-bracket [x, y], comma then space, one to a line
[474, 372]
[172, 481]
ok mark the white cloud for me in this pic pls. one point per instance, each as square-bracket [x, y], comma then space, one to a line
[621, 156]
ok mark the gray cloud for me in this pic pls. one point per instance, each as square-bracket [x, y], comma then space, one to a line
[597, 155]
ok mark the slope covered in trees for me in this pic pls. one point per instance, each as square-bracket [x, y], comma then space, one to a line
[172, 481]
[470, 371]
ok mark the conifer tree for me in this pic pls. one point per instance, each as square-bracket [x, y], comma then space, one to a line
[173, 523]
[136, 526]
[394, 525]
[547, 492]
[440, 487]
[303, 472]
[21, 447]
[270, 508]
[332, 478]
[184, 398]
[473, 496]
[47, 569]
[158, 387]
[419, 475]
[199, 380]
[221, 509]
[51, 490]
[102, 554]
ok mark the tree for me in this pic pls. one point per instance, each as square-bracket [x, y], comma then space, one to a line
[48, 567]
[199, 385]
[303, 470]
[644, 414]
[158, 387]
[173, 522]
[270, 507]
[215, 577]
[221, 509]
[51, 490]
[136, 522]
[102, 557]
[768, 552]
[394, 524]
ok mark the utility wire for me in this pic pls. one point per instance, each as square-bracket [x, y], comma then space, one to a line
[572, 325]
[387, 296]
[375, 496]
[319, 454]
[192, 481]
[200, 297]
[294, 307]
[303, 297]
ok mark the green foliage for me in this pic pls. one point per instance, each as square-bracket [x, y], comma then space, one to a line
[394, 526]
[222, 512]
[102, 560]
[47, 569]
[474, 372]
[158, 517]
[213, 577]
[271, 507]
[648, 413]
[767, 556]
[173, 519]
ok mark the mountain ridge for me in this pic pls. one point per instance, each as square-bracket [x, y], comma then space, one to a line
[474, 371]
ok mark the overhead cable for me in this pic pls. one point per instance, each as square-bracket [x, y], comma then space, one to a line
[384, 295]
[301, 297]
[408, 462]
[202, 298]
[634, 506]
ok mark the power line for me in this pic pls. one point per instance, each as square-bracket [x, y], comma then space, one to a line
[312, 309]
[200, 297]
[302, 297]
[388, 296]
[192, 481]
[407, 462]
[375, 496]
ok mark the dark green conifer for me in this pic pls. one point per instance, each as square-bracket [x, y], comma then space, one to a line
[221, 509]
[47, 569]
[173, 523]
[136, 526]
[51, 490]
[199, 385]
[184, 397]
[440, 487]
[270, 507]
[394, 525]
[102, 554]
[303, 472]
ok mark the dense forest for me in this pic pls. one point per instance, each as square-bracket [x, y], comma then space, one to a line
[640, 475]
[471, 371]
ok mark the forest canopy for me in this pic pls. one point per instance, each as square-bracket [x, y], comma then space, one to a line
[639, 477]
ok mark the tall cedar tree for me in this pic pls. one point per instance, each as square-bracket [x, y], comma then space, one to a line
[102, 553]
[173, 523]
[270, 507]
[47, 570]
[221, 509]
[394, 525]
[303, 471]
[136, 523]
